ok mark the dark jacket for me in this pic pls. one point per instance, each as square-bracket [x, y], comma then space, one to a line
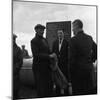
[62, 56]
[40, 51]
[83, 49]
[41, 65]
[83, 52]
[17, 64]
[17, 58]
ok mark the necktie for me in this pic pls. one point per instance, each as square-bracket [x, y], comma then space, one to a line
[59, 44]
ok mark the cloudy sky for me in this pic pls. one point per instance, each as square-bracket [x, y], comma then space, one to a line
[27, 14]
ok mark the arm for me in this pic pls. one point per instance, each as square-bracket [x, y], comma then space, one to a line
[68, 61]
[53, 47]
[19, 58]
[72, 52]
[37, 54]
[94, 52]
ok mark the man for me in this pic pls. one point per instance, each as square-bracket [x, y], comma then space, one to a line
[60, 47]
[24, 52]
[17, 64]
[83, 52]
[41, 62]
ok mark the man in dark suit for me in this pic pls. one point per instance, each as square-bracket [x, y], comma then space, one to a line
[83, 52]
[41, 62]
[60, 47]
[17, 64]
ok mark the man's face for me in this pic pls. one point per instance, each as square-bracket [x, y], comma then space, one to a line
[60, 34]
[40, 31]
[23, 47]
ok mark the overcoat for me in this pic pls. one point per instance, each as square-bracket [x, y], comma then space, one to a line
[41, 65]
[83, 52]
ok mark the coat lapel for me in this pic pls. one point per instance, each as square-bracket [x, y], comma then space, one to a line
[62, 46]
[58, 46]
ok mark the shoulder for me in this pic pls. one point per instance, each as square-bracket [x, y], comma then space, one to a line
[18, 49]
[73, 41]
[88, 36]
[33, 40]
[74, 38]
[65, 41]
[26, 50]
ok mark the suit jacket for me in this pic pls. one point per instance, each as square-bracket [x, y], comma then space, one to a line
[62, 56]
[83, 49]
[83, 52]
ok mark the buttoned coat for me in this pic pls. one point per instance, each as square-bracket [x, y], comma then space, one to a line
[83, 52]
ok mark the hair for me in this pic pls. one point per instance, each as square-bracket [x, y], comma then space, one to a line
[23, 45]
[39, 26]
[79, 23]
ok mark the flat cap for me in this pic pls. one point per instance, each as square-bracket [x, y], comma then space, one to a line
[39, 26]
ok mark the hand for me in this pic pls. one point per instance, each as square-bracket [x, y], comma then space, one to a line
[54, 56]
[54, 61]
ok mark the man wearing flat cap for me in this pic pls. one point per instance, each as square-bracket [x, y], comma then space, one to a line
[17, 63]
[41, 62]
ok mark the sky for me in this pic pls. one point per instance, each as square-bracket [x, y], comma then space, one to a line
[27, 14]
